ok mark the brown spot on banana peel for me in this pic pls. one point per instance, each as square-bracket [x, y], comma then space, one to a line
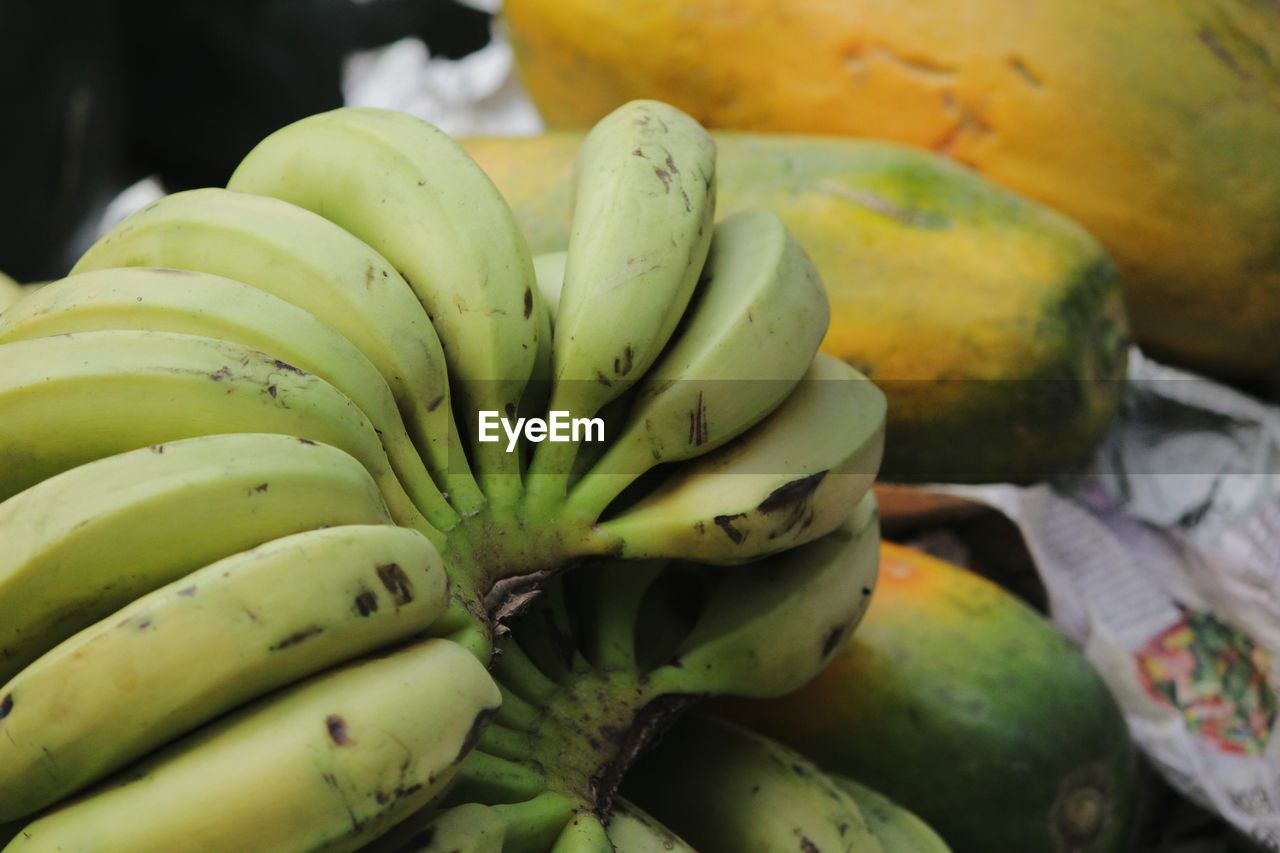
[296, 637]
[187, 591]
[622, 366]
[289, 368]
[366, 603]
[478, 726]
[528, 302]
[337, 730]
[788, 495]
[6, 705]
[698, 429]
[725, 523]
[832, 641]
[396, 582]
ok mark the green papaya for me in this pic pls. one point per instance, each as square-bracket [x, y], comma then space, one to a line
[965, 706]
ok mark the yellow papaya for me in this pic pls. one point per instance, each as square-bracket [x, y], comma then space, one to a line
[1154, 124]
[967, 707]
[994, 325]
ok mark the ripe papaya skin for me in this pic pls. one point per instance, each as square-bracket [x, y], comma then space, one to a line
[994, 325]
[1155, 125]
[965, 706]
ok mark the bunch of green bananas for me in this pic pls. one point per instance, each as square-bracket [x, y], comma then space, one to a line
[258, 552]
[603, 661]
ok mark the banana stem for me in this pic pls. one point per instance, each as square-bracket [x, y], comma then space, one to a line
[464, 492]
[486, 778]
[533, 825]
[670, 681]
[433, 507]
[549, 472]
[584, 834]
[514, 668]
[406, 513]
[592, 494]
[516, 713]
[619, 596]
[497, 471]
[498, 740]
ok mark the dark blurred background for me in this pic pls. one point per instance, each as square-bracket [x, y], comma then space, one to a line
[97, 94]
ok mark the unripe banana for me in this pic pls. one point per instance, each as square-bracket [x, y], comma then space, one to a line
[768, 628]
[86, 542]
[309, 262]
[548, 269]
[194, 303]
[747, 339]
[897, 830]
[70, 399]
[329, 764]
[583, 834]
[10, 291]
[728, 790]
[410, 192]
[789, 480]
[142, 676]
[633, 831]
[644, 202]
[468, 828]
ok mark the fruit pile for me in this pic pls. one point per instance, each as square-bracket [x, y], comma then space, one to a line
[268, 585]
[1153, 125]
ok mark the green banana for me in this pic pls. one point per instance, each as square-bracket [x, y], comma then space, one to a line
[468, 828]
[193, 303]
[584, 833]
[724, 788]
[413, 194]
[633, 831]
[70, 399]
[790, 479]
[548, 270]
[745, 342]
[139, 678]
[309, 262]
[609, 652]
[10, 291]
[897, 830]
[86, 542]
[535, 824]
[768, 628]
[644, 202]
[331, 763]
